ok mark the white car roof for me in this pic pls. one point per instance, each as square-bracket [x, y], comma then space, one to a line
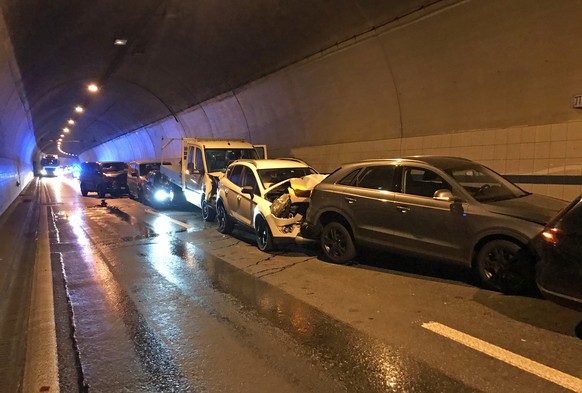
[273, 163]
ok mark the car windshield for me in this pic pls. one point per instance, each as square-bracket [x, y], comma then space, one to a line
[113, 166]
[485, 185]
[273, 176]
[218, 159]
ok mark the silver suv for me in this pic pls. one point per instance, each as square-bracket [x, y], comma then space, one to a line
[439, 207]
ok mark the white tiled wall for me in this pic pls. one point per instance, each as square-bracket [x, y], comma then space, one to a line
[554, 149]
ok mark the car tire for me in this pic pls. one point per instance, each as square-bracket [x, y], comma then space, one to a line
[505, 266]
[225, 223]
[101, 191]
[337, 243]
[208, 213]
[84, 190]
[265, 241]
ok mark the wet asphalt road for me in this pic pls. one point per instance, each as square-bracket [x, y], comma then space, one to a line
[159, 306]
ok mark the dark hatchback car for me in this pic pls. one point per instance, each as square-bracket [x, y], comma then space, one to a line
[157, 190]
[103, 178]
[438, 207]
[559, 270]
[136, 176]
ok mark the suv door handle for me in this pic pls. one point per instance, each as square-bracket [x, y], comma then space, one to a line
[402, 208]
[350, 200]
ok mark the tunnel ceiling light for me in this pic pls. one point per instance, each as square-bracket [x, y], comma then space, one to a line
[66, 130]
[120, 42]
[79, 109]
[93, 88]
[62, 136]
[71, 121]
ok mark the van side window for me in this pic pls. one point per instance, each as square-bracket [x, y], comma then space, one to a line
[199, 161]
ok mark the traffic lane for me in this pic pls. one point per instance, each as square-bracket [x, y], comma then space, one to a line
[386, 303]
[461, 308]
[137, 331]
[170, 261]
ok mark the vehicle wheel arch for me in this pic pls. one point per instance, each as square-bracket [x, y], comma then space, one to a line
[491, 269]
[332, 215]
[498, 236]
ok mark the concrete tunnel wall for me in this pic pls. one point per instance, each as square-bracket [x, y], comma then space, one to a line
[491, 81]
[17, 142]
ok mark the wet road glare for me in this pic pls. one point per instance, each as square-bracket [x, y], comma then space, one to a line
[160, 306]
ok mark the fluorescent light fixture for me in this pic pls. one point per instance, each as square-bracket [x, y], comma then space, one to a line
[79, 109]
[71, 121]
[120, 42]
[93, 88]
[62, 136]
[66, 130]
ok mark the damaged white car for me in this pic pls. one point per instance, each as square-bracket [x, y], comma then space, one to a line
[269, 196]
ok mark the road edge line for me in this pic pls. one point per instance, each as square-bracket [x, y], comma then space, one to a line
[41, 368]
[550, 374]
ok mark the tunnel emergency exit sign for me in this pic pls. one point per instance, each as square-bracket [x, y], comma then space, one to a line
[577, 102]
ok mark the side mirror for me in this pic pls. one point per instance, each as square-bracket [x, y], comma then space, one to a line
[248, 190]
[445, 196]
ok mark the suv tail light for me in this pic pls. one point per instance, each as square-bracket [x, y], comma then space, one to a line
[551, 235]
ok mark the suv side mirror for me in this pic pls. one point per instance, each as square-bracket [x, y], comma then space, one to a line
[445, 195]
[248, 190]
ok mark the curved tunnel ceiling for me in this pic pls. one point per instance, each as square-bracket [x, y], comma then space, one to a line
[178, 54]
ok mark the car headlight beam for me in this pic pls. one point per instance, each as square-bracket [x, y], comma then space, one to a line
[162, 195]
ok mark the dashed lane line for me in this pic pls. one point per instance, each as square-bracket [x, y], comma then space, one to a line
[180, 223]
[555, 376]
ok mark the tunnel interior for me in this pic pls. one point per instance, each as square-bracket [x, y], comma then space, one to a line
[328, 82]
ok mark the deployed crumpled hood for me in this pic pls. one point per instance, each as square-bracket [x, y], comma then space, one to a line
[306, 182]
[536, 208]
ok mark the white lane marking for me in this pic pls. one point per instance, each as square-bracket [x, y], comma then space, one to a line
[155, 213]
[559, 378]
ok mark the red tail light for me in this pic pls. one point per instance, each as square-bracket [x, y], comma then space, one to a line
[551, 235]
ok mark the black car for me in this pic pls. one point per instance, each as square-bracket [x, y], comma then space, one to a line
[559, 270]
[104, 178]
[157, 190]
